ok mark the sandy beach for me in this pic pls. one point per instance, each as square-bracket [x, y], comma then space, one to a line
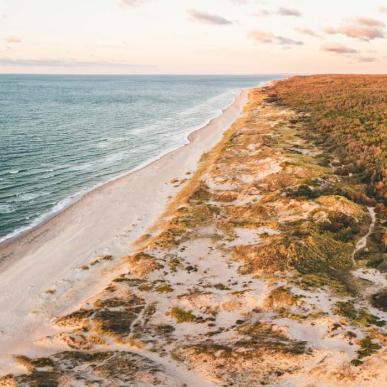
[50, 269]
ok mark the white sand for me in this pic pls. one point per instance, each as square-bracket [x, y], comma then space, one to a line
[105, 221]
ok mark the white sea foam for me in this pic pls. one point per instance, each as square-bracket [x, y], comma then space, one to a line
[27, 197]
[60, 206]
[6, 208]
[211, 103]
[107, 142]
[13, 171]
[109, 159]
[81, 167]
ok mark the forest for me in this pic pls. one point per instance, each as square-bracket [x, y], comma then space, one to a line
[347, 115]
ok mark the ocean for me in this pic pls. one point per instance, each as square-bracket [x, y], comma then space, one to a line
[61, 136]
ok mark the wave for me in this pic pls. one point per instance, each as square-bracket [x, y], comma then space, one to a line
[60, 206]
[114, 157]
[207, 104]
[10, 172]
[6, 208]
[81, 167]
[29, 196]
[107, 142]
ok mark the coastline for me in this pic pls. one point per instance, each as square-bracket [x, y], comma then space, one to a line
[69, 201]
[241, 281]
[102, 222]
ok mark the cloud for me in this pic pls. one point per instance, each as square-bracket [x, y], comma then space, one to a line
[262, 36]
[244, 2]
[131, 3]
[366, 21]
[338, 49]
[288, 12]
[270, 38]
[13, 39]
[287, 42]
[67, 63]
[307, 31]
[361, 28]
[352, 31]
[281, 11]
[262, 12]
[208, 18]
[366, 59]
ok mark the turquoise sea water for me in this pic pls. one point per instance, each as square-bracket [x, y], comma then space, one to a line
[62, 135]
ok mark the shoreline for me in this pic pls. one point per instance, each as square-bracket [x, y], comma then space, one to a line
[41, 220]
[102, 222]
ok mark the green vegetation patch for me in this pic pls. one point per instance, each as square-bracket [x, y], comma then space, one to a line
[347, 115]
[221, 286]
[181, 315]
[359, 316]
[367, 348]
[164, 288]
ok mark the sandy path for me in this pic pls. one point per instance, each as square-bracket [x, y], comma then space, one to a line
[105, 221]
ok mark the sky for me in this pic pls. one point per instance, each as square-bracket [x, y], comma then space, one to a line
[193, 36]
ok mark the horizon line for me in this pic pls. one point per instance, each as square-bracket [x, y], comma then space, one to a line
[195, 74]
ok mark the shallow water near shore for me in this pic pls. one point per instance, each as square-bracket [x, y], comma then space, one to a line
[62, 135]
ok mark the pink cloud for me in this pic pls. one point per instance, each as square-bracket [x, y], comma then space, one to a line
[208, 18]
[366, 21]
[262, 36]
[338, 48]
[366, 59]
[361, 28]
[13, 39]
[130, 3]
[289, 12]
[262, 12]
[270, 38]
[307, 31]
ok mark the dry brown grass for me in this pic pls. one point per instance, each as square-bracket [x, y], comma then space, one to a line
[279, 298]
